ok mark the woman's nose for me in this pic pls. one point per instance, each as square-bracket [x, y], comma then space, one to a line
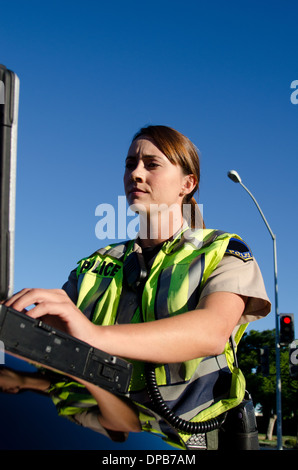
[137, 173]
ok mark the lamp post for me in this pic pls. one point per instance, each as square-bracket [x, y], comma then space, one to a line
[234, 176]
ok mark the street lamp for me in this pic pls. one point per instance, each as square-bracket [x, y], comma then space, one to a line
[234, 176]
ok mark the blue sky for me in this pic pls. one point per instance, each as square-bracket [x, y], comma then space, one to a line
[91, 74]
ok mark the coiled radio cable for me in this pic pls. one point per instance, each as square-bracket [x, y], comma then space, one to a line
[180, 424]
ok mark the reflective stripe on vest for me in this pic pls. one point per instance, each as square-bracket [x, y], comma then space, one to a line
[70, 398]
[182, 266]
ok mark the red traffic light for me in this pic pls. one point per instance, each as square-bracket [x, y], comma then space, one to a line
[287, 320]
[286, 334]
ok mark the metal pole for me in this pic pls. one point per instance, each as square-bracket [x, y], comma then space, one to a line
[277, 345]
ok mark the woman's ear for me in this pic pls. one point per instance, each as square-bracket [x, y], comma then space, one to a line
[189, 184]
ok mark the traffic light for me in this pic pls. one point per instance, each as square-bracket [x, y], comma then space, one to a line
[286, 332]
[263, 356]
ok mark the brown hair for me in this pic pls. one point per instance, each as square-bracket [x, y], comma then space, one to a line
[180, 151]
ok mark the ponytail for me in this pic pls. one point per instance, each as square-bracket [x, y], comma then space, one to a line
[192, 214]
[197, 220]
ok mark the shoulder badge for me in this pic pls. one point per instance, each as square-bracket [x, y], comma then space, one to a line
[239, 249]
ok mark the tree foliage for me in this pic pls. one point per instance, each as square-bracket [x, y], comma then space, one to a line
[262, 388]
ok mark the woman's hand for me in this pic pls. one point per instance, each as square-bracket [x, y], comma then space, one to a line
[13, 381]
[54, 307]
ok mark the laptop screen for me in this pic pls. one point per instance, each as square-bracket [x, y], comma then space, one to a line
[9, 104]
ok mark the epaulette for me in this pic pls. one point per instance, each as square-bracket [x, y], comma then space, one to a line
[239, 249]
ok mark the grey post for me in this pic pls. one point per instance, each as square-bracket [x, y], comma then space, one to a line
[234, 176]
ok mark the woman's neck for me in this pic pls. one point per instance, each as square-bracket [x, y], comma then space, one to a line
[158, 227]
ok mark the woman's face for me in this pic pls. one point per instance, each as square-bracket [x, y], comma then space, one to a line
[150, 179]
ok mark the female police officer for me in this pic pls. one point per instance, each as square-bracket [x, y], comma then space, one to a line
[196, 291]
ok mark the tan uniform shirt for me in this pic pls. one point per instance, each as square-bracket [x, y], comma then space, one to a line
[243, 278]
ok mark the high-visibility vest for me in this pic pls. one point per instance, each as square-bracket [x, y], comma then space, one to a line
[197, 389]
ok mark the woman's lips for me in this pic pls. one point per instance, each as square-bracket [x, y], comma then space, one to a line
[136, 191]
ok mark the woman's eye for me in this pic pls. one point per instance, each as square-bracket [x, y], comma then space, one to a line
[129, 166]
